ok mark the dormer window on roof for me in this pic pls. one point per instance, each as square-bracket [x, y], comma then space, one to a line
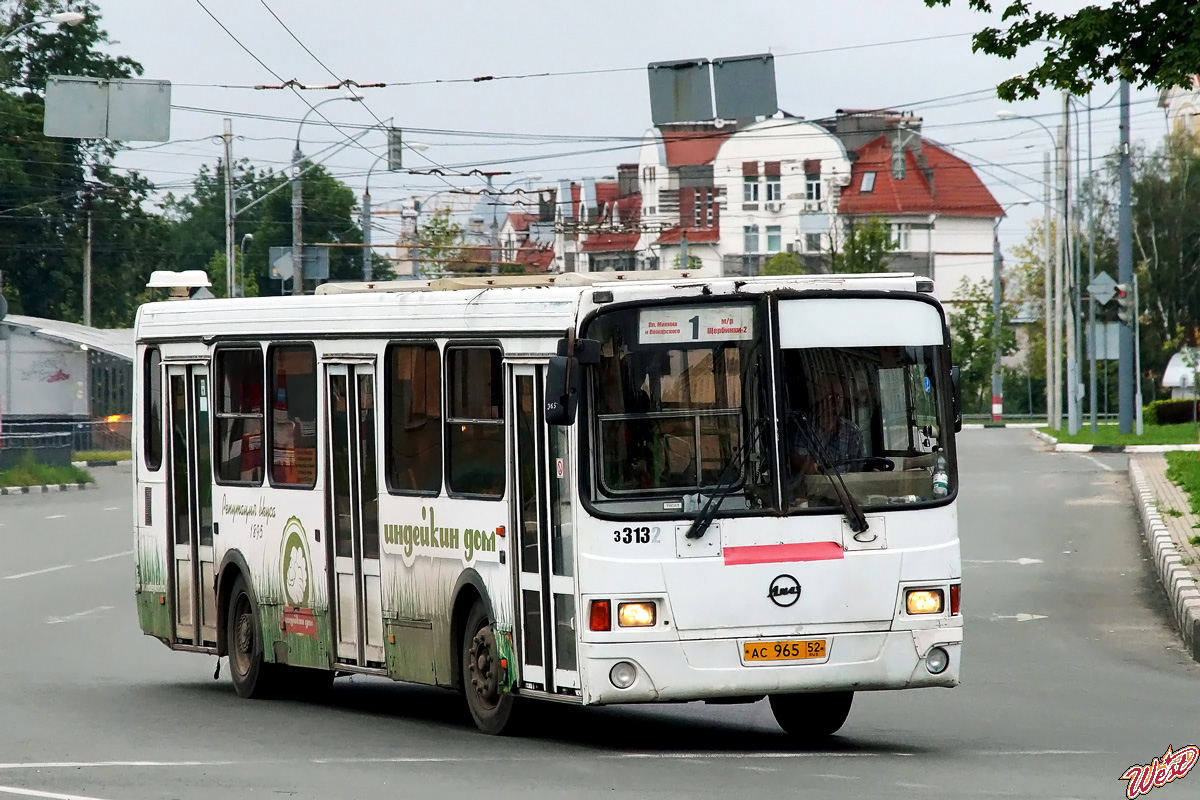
[868, 183]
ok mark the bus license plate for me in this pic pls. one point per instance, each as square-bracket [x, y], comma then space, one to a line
[787, 650]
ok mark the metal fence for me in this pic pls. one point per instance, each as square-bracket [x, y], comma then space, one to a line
[56, 443]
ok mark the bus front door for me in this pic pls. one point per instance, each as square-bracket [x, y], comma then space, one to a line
[193, 590]
[545, 563]
[353, 492]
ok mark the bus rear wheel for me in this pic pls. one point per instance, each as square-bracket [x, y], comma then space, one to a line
[811, 716]
[252, 676]
[491, 707]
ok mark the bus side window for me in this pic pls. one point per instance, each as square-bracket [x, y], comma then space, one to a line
[152, 409]
[475, 422]
[238, 401]
[413, 429]
[293, 428]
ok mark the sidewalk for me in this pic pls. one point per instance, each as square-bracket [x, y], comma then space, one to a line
[1177, 561]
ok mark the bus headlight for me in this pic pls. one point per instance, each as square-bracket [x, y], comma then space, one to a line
[623, 674]
[924, 601]
[635, 615]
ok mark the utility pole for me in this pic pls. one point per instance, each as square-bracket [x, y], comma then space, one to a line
[1047, 280]
[1125, 274]
[230, 258]
[87, 260]
[1091, 204]
[1068, 275]
[1059, 289]
[368, 266]
[997, 376]
[683, 249]
[297, 205]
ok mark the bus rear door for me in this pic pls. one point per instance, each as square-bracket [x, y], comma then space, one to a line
[191, 519]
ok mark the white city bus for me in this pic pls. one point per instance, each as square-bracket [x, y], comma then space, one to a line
[591, 489]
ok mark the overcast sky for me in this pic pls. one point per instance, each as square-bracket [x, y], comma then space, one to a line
[592, 116]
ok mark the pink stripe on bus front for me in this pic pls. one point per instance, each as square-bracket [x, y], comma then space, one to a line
[771, 553]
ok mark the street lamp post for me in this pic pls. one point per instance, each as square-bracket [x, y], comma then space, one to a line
[68, 18]
[298, 197]
[997, 302]
[1053, 299]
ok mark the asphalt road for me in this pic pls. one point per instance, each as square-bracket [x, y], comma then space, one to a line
[1072, 673]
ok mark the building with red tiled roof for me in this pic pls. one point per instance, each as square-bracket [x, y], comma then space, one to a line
[940, 213]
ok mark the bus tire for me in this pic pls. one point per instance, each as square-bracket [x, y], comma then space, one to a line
[815, 715]
[491, 708]
[252, 676]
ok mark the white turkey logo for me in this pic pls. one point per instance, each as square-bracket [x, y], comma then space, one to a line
[296, 570]
[297, 576]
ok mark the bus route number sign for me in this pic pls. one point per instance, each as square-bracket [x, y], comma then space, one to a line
[695, 324]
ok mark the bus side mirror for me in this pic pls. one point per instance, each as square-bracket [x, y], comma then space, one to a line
[564, 384]
[956, 397]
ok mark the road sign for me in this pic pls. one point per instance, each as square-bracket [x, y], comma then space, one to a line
[1106, 346]
[281, 263]
[1102, 288]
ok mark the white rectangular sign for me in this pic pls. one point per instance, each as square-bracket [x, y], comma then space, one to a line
[695, 324]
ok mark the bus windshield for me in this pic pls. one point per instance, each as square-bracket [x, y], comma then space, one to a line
[678, 390]
[683, 401]
[873, 415]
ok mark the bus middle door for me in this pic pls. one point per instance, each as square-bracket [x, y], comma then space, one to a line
[353, 508]
[546, 554]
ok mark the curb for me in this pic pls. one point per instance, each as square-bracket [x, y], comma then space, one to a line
[1068, 447]
[101, 463]
[978, 426]
[13, 491]
[1177, 580]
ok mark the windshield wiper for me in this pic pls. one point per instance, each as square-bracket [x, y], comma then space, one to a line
[854, 513]
[728, 481]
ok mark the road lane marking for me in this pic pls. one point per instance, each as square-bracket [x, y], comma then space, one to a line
[111, 556]
[48, 795]
[694, 756]
[78, 615]
[1024, 562]
[113, 508]
[1019, 617]
[36, 572]
[57, 516]
[1099, 463]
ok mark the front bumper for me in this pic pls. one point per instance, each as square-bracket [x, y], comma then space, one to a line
[698, 669]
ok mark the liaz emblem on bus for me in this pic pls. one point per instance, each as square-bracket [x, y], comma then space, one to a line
[440, 541]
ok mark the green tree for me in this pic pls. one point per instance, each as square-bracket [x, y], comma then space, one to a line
[439, 248]
[43, 182]
[329, 218]
[1148, 42]
[865, 247]
[973, 341]
[198, 218]
[784, 264]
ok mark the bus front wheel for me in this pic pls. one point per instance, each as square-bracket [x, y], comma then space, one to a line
[491, 707]
[252, 676]
[811, 716]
